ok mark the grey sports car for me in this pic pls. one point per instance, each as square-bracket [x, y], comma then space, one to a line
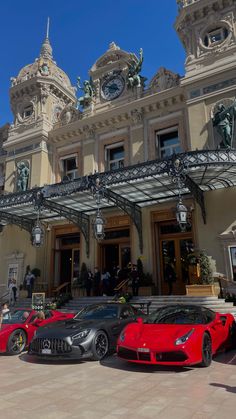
[92, 333]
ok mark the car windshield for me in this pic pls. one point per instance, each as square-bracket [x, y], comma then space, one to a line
[98, 312]
[177, 315]
[16, 316]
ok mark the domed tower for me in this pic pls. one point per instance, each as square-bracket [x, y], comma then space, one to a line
[37, 95]
[207, 29]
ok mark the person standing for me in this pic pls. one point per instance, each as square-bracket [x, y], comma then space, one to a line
[14, 289]
[29, 281]
[170, 276]
[97, 281]
[105, 282]
[88, 283]
[134, 281]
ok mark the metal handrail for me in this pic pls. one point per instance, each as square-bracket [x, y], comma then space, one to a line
[5, 296]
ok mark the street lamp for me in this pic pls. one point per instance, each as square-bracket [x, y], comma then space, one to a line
[98, 226]
[181, 215]
[177, 169]
[37, 234]
[99, 221]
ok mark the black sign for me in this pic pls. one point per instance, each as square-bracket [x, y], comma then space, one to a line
[38, 301]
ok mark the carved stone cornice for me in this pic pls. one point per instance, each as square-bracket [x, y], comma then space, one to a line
[112, 119]
[192, 11]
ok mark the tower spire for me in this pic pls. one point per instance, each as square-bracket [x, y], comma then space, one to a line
[46, 49]
[48, 24]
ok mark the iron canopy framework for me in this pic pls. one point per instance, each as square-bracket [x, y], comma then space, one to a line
[129, 189]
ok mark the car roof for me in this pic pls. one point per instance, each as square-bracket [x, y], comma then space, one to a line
[195, 307]
[117, 304]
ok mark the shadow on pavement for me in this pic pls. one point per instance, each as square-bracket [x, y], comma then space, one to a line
[226, 358]
[31, 359]
[115, 362]
[226, 387]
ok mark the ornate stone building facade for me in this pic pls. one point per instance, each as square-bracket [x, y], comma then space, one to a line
[129, 128]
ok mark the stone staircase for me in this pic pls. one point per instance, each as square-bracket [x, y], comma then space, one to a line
[214, 303]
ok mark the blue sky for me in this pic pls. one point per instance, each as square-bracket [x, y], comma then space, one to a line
[81, 31]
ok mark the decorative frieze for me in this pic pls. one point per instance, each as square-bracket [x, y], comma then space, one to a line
[212, 88]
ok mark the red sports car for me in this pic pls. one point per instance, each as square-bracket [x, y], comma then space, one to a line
[177, 335]
[17, 328]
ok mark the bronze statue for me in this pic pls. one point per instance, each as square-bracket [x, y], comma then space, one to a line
[133, 77]
[23, 176]
[89, 93]
[223, 120]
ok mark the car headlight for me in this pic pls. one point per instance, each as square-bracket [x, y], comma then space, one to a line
[81, 335]
[122, 336]
[184, 338]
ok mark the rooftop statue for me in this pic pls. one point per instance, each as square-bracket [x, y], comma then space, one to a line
[89, 93]
[223, 120]
[133, 77]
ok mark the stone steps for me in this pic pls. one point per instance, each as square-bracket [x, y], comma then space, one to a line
[77, 304]
[213, 303]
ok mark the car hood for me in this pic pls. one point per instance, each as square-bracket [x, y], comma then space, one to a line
[66, 328]
[150, 334]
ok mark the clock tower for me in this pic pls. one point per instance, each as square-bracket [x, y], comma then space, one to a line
[38, 94]
[110, 75]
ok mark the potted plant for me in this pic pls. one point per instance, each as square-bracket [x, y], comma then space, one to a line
[204, 284]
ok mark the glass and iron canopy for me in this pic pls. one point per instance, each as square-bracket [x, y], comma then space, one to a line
[129, 188]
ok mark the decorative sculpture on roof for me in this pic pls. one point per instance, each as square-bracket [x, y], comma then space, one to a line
[89, 93]
[224, 120]
[133, 77]
[22, 176]
[164, 79]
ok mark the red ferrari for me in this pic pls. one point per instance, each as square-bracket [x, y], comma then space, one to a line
[177, 335]
[17, 328]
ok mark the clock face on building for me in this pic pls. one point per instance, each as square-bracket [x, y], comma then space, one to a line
[112, 87]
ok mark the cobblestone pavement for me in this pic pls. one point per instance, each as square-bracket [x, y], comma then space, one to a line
[114, 389]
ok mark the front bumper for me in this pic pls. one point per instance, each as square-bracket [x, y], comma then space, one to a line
[54, 348]
[179, 356]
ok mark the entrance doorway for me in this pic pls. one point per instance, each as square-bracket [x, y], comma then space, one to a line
[66, 258]
[115, 255]
[174, 248]
[66, 265]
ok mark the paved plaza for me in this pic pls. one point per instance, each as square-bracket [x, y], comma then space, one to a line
[114, 389]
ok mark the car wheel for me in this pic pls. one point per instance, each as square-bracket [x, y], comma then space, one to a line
[16, 342]
[233, 336]
[206, 351]
[100, 345]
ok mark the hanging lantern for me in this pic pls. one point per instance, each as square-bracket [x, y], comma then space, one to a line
[37, 234]
[98, 226]
[181, 215]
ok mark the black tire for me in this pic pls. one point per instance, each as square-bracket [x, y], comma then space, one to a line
[206, 351]
[233, 336]
[100, 345]
[16, 342]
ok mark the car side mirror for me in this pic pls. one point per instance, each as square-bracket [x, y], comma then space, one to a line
[140, 320]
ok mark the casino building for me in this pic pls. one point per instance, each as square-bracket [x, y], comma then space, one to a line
[129, 153]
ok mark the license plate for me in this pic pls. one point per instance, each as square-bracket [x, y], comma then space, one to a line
[46, 351]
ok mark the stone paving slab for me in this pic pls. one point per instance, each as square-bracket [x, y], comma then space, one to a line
[114, 389]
